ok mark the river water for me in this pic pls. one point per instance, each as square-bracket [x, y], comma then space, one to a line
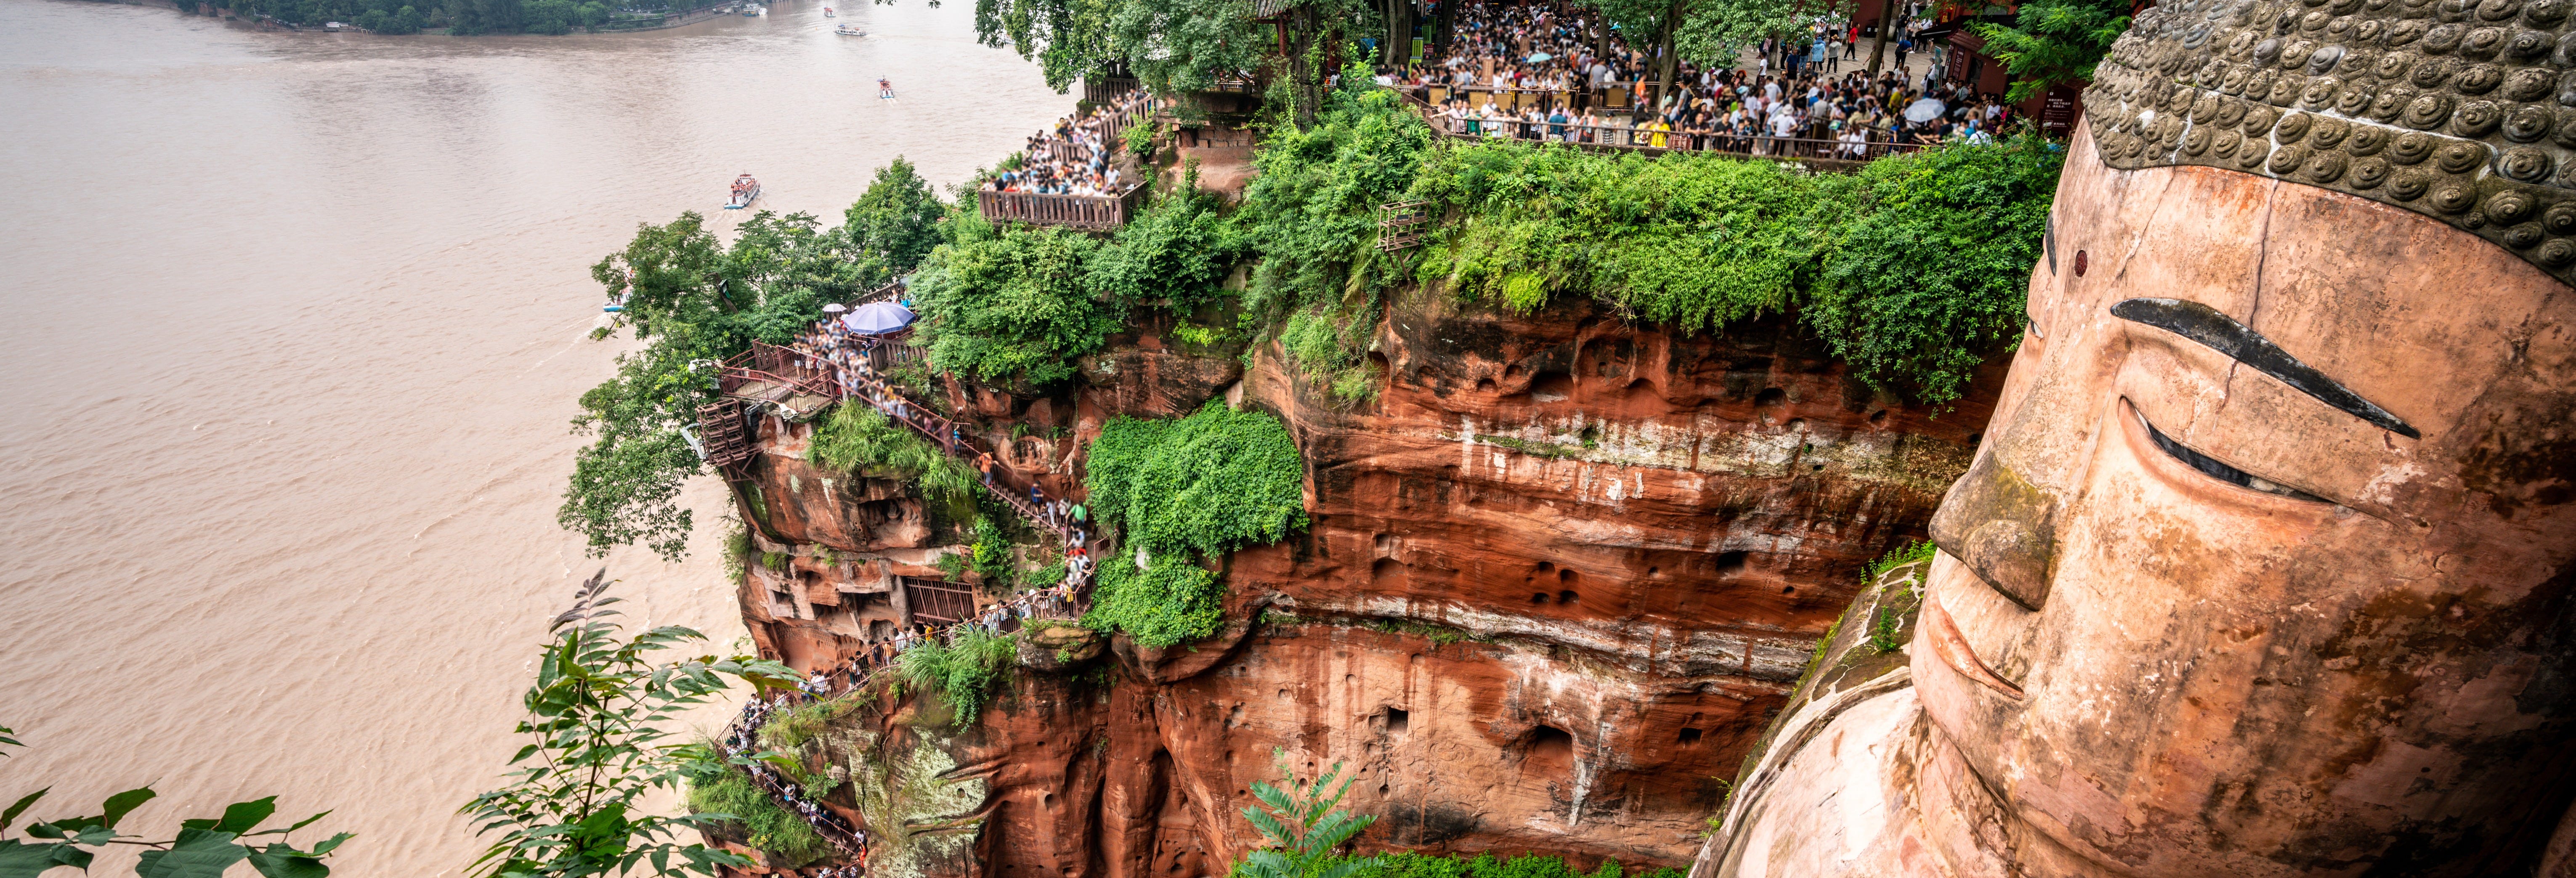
[294, 327]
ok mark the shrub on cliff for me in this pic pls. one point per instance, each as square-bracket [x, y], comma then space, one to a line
[719, 789]
[857, 437]
[1007, 306]
[1183, 489]
[1913, 270]
[965, 671]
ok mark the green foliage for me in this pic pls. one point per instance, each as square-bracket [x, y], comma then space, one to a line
[1694, 241]
[1929, 277]
[1407, 864]
[1913, 551]
[1175, 253]
[596, 713]
[2055, 42]
[1009, 307]
[965, 672]
[1300, 828]
[1139, 138]
[1911, 270]
[991, 553]
[789, 729]
[894, 224]
[1198, 486]
[1885, 629]
[696, 301]
[723, 793]
[1205, 484]
[1172, 603]
[776, 560]
[857, 437]
[1311, 214]
[203, 847]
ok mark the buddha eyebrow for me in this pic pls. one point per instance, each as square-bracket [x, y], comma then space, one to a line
[2221, 333]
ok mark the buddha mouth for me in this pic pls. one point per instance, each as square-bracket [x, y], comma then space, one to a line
[1952, 648]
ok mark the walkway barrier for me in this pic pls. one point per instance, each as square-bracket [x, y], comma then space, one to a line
[1099, 212]
[1835, 154]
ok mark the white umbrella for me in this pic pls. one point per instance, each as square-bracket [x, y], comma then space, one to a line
[1537, 57]
[835, 308]
[1924, 110]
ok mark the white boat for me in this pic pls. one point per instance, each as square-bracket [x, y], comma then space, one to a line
[745, 191]
[885, 90]
[849, 31]
[751, 11]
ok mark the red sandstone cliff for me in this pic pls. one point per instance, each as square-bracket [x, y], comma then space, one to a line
[1561, 571]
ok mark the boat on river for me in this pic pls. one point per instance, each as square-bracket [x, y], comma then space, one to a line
[745, 190]
[849, 31]
[827, 12]
[885, 90]
[751, 10]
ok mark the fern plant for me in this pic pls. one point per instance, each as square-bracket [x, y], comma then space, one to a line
[1301, 829]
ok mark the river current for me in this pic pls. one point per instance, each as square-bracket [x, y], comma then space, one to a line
[295, 325]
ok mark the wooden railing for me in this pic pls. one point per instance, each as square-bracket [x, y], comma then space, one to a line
[1078, 211]
[1622, 137]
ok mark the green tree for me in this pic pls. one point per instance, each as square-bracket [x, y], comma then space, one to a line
[894, 224]
[1008, 307]
[596, 714]
[1067, 38]
[2055, 42]
[203, 847]
[1300, 829]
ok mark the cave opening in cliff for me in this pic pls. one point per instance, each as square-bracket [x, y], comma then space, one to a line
[1398, 721]
[1730, 563]
[1551, 751]
[1690, 737]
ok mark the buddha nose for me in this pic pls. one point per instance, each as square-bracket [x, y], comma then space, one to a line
[1998, 524]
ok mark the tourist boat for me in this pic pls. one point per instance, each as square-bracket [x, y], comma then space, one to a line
[750, 10]
[827, 12]
[745, 189]
[849, 31]
[885, 90]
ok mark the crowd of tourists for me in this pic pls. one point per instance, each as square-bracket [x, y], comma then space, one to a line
[1542, 72]
[1077, 156]
[743, 739]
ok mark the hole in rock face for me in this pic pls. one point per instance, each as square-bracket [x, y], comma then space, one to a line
[1545, 566]
[1732, 562]
[1771, 396]
[1788, 589]
[2079, 263]
[1553, 384]
[1567, 597]
[1551, 751]
[1398, 721]
[1484, 385]
[1878, 417]
[1538, 598]
[1650, 571]
[1689, 737]
[1565, 576]
[1976, 439]
[1591, 435]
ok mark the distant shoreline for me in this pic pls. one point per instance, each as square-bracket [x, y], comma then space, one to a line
[682, 19]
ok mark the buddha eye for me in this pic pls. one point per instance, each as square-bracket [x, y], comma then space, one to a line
[2214, 469]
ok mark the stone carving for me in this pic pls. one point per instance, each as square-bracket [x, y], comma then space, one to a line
[2463, 111]
[2267, 566]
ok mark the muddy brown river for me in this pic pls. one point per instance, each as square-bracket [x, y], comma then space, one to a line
[295, 325]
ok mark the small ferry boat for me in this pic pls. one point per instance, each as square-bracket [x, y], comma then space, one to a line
[827, 12]
[751, 10]
[849, 31]
[745, 190]
[885, 90]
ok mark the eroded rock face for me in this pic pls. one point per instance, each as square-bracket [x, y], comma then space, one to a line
[1561, 572]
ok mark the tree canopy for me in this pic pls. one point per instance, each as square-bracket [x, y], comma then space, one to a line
[2055, 42]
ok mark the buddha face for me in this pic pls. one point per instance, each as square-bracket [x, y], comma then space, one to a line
[2265, 565]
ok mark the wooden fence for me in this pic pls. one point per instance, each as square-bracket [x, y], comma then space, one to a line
[1100, 212]
[1831, 153]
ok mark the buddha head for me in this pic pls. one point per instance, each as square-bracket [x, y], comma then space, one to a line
[2267, 565]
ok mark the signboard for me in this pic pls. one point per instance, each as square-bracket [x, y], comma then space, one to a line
[2059, 109]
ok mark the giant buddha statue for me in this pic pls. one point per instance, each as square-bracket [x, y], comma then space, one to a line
[2267, 565]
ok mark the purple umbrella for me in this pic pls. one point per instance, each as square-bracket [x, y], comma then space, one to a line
[877, 318]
